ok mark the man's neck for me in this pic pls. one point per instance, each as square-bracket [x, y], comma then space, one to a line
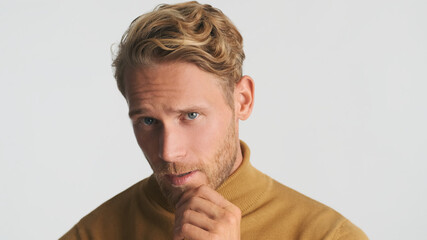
[239, 159]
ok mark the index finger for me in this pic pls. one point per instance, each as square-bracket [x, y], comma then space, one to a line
[206, 193]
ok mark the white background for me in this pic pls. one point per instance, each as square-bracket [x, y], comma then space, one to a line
[340, 112]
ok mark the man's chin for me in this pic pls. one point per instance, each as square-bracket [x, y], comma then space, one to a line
[171, 193]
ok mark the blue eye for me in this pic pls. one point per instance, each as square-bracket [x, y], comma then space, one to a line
[148, 121]
[192, 115]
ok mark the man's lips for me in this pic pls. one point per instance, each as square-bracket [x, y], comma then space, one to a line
[180, 179]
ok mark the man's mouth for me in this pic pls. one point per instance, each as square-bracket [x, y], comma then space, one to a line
[182, 175]
[180, 179]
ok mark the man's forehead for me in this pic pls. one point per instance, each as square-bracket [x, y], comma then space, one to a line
[182, 84]
[175, 74]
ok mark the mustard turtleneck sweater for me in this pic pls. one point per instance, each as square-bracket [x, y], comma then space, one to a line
[270, 210]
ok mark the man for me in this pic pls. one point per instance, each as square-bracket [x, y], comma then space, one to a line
[180, 70]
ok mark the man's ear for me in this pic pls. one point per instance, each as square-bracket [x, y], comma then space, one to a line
[244, 97]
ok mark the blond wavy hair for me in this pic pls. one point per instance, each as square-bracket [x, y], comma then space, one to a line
[189, 32]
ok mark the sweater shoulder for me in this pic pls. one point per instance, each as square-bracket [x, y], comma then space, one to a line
[107, 214]
[349, 231]
[287, 212]
[287, 198]
[119, 202]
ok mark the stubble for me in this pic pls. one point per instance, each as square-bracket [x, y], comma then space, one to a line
[217, 169]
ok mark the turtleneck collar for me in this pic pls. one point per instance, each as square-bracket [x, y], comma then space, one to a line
[243, 188]
[246, 185]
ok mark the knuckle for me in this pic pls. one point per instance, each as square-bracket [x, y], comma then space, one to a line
[186, 214]
[201, 189]
[192, 201]
[237, 211]
[216, 225]
[186, 228]
[229, 218]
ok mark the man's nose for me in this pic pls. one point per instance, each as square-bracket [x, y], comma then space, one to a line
[171, 144]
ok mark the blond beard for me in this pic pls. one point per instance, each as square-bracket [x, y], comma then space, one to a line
[217, 172]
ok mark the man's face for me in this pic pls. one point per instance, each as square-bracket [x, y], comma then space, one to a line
[183, 125]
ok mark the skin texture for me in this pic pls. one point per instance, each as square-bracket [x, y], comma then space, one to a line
[184, 125]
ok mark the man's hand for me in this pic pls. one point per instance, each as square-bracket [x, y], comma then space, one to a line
[202, 213]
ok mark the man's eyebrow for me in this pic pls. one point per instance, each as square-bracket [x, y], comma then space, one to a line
[136, 112]
[191, 108]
